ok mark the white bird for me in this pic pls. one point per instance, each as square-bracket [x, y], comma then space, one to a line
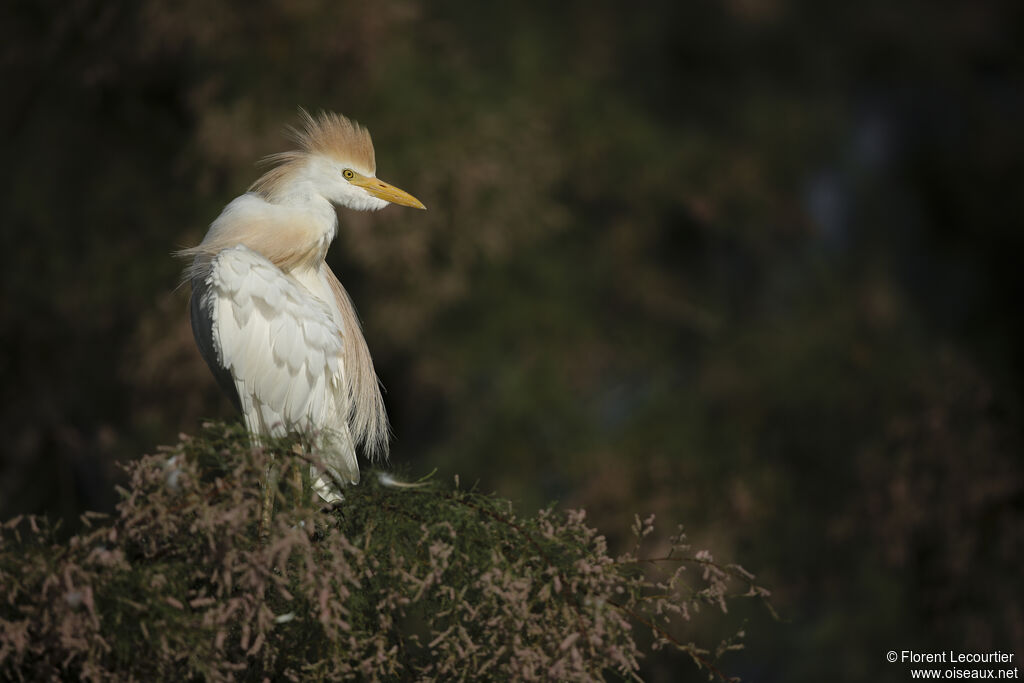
[273, 322]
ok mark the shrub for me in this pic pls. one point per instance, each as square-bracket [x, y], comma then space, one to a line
[401, 581]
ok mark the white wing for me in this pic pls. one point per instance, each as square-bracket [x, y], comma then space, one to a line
[283, 350]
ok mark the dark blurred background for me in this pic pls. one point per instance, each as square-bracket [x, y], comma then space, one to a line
[752, 265]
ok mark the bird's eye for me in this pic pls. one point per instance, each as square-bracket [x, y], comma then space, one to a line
[348, 173]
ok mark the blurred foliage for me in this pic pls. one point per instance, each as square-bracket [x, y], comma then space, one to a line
[402, 581]
[753, 264]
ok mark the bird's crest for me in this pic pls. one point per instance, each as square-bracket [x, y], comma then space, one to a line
[334, 135]
[327, 134]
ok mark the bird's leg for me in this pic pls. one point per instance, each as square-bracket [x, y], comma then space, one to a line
[267, 501]
[297, 482]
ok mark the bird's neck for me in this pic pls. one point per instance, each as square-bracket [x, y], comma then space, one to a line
[296, 192]
[313, 221]
[293, 231]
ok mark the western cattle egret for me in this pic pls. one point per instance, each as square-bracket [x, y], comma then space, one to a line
[273, 322]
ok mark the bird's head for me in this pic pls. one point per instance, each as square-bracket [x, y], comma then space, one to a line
[335, 160]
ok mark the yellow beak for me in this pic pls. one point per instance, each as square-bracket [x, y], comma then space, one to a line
[387, 192]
